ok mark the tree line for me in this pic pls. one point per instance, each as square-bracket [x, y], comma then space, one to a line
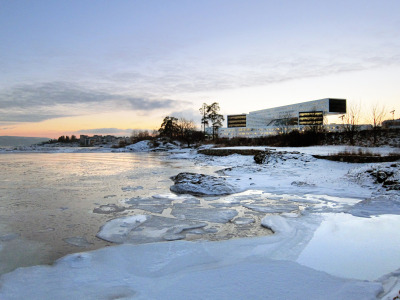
[63, 139]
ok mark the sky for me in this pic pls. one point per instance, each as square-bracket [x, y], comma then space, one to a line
[108, 67]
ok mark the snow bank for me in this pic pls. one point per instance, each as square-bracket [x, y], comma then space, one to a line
[139, 147]
[142, 146]
[179, 270]
[290, 173]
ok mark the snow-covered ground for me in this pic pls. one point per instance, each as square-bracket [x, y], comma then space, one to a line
[334, 237]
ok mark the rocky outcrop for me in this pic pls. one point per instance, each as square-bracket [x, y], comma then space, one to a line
[201, 185]
[272, 157]
[385, 175]
[388, 177]
[259, 158]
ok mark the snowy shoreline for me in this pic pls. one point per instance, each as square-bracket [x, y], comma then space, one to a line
[237, 268]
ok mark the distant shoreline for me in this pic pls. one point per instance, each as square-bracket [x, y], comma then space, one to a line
[16, 141]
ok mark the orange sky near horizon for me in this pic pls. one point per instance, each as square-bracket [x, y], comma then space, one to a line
[54, 128]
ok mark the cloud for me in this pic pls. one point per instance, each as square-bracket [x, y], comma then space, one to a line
[188, 114]
[39, 102]
[239, 70]
[28, 117]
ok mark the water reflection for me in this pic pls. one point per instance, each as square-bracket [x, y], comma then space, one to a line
[352, 247]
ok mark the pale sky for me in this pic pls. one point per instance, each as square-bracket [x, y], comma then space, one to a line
[71, 67]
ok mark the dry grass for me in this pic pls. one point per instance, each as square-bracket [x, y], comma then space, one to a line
[364, 153]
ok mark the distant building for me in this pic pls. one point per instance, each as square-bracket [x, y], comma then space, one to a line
[97, 140]
[391, 123]
[84, 140]
[271, 121]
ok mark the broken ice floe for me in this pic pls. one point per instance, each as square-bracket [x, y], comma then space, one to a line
[202, 185]
[191, 201]
[277, 224]
[272, 208]
[215, 215]
[131, 188]
[152, 204]
[243, 221]
[146, 229]
[108, 209]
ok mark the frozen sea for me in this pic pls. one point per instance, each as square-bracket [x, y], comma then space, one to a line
[296, 226]
[47, 200]
[53, 204]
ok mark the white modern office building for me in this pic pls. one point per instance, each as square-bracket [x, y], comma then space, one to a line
[272, 121]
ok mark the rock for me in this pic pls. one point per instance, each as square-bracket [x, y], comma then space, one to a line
[201, 185]
[259, 158]
[386, 175]
[381, 176]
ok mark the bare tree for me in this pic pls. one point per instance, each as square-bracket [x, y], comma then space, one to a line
[285, 123]
[351, 121]
[185, 125]
[186, 130]
[154, 133]
[138, 135]
[376, 117]
[135, 133]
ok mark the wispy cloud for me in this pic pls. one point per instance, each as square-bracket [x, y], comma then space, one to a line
[38, 102]
[7, 128]
[218, 72]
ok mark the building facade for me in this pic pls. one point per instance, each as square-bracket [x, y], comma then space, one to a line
[272, 121]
